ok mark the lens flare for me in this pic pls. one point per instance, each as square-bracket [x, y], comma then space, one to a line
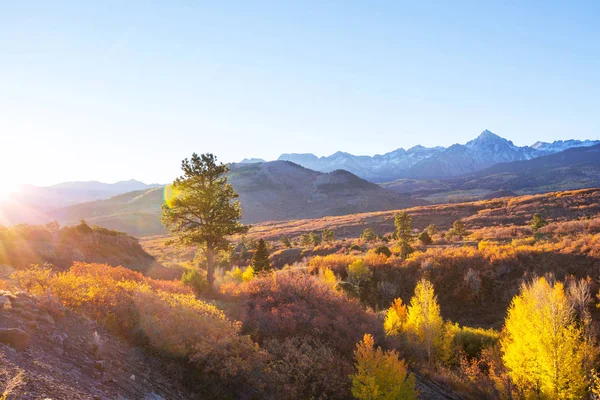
[170, 193]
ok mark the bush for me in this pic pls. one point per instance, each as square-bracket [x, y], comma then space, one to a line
[294, 303]
[167, 317]
[424, 238]
[383, 250]
[355, 247]
[195, 280]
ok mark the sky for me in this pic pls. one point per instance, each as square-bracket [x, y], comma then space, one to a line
[116, 90]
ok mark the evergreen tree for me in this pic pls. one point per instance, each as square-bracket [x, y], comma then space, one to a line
[260, 260]
[203, 210]
[537, 222]
[315, 239]
[431, 230]
[403, 223]
[328, 235]
[285, 241]
[368, 235]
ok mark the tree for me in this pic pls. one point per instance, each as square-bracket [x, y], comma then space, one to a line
[395, 318]
[403, 223]
[538, 222]
[368, 235]
[305, 240]
[431, 230]
[203, 210]
[260, 260]
[358, 272]
[285, 241]
[328, 235]
[458, 230]
[543, 348]
[380, 375]
[315, 239]
[425, 239]
[83, 228]
[53, 226]
[423, 319]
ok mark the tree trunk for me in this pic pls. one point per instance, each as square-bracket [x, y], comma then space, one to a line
[210, 266]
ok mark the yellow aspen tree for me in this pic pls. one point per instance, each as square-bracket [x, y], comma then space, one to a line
[380, 375]
[543, 347]
[395, 317]
[424, 320]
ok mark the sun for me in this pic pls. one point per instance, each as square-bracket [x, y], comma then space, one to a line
[7, 190]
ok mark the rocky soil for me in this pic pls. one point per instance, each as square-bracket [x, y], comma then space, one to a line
[47, 352]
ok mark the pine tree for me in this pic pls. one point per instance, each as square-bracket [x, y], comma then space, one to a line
[328, 235]
[260, 260]
[285, 241]
[368, 235]
[543, 347]
[202, 210]
[423, 320]
[403, 223]
[537, 222]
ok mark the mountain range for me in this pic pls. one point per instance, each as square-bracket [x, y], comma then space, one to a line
[276, 190]
[434, 162]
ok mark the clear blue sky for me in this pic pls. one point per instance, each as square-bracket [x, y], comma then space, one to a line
[126, 89]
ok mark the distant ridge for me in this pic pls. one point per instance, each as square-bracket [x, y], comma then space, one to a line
[276, 190]
[421, 162]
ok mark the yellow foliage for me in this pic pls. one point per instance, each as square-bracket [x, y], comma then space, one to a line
[358, 272]
[248, 274]
[543, 348]
[380, 375]
[395, 318]
[424, 321]
[327, 276]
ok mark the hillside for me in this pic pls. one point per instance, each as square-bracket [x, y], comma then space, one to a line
[52, 353]
[506, 210]
[30, 204]
[24, 245]
[275, 190]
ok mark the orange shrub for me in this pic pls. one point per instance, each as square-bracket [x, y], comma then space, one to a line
[335, 262]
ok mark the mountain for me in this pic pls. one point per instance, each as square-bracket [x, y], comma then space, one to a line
[30, 204]
[276, 190]
[252, 160]
[574, 168]
[436, 162]
[96, 187]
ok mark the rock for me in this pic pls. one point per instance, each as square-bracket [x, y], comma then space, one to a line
[47, 318]
[132, 377]
[153, 396]
[5, 303]
[15, 337]
[100, 365]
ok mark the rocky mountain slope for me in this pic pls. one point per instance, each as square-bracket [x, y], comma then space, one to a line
[438, 162]
[276, 190]
[575, 168]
